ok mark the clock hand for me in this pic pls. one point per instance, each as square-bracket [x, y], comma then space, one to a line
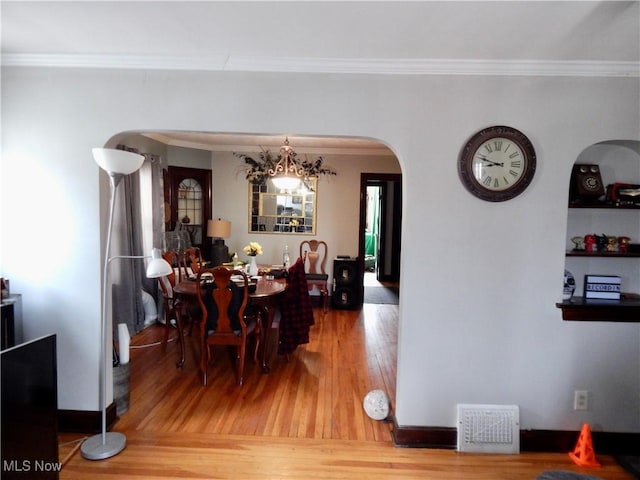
[491, 164]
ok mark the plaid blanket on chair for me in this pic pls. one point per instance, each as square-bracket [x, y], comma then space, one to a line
[296, 312]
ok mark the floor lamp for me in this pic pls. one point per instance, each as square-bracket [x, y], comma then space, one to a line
[117, 164]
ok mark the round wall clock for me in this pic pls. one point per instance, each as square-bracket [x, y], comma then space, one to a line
[497, 163]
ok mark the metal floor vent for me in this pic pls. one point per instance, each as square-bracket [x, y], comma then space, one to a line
[488, 428]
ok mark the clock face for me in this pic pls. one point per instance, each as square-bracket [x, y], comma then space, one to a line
[497, 164]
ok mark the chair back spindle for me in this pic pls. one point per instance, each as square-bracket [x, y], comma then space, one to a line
[314, 254]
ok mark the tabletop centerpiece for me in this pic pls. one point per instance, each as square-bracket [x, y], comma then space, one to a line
[252, 250]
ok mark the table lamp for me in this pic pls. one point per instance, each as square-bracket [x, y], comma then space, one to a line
[219, 230]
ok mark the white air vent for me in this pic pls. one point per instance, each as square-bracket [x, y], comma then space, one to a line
[488, 428]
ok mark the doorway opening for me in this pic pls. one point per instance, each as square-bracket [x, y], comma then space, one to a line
[372, 228]
[380, 239]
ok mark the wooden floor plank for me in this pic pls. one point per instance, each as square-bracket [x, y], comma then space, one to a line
[166, 456]
[303, 420]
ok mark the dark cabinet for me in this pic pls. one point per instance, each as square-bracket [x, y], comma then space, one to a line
[188, 204]
[11, 324]
[347, 284]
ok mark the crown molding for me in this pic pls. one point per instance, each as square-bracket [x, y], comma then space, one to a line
[570, 68]
[376, 149]
[142, 62]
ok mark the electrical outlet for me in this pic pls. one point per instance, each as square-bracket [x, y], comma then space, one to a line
[581, 400]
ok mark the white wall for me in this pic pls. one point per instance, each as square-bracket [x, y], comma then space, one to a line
[337, 210]
[188, 157]
[477, 317]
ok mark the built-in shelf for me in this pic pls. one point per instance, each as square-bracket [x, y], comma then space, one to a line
[610, 206]
[589, 214]
[589, 310]
[581, 253]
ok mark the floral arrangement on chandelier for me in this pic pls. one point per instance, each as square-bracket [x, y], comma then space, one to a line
[257, 172]
[252, 249]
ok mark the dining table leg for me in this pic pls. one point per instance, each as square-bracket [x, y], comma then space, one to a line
[180, 329]
[267, 312]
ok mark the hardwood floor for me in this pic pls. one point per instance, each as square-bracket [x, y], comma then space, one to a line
[302, 420]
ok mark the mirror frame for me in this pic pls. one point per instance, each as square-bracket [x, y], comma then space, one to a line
[258, 223]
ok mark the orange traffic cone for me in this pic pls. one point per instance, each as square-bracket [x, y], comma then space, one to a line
[584, 455]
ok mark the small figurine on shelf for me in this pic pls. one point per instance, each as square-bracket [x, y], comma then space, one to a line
[623, 244]
[579, 243]
[601, 242]
[569, 285]
[612, 244]
[589, 243]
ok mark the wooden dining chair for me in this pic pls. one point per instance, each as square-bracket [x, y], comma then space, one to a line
[314, 254]
[225, 319]
[173, 310]
[184, 271]
[189, 311]
[171, 257]
[193, 259]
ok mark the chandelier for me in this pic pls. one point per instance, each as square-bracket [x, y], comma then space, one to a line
[287, 173]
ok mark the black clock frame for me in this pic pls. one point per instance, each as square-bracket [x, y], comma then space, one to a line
[465, 163]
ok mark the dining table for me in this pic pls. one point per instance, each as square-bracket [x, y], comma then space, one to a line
[266, 296]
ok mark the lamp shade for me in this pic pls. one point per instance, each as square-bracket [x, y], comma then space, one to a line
[285, 182]
[112, 160]
[219, 228]
[158, 266]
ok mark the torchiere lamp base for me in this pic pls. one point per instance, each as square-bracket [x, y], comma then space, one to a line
[94, 448]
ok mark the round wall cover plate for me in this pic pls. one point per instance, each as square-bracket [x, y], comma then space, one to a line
[376, 405]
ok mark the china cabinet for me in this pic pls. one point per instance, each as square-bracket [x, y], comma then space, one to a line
[187, 194]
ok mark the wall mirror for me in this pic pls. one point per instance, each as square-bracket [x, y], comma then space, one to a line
[272, 210]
